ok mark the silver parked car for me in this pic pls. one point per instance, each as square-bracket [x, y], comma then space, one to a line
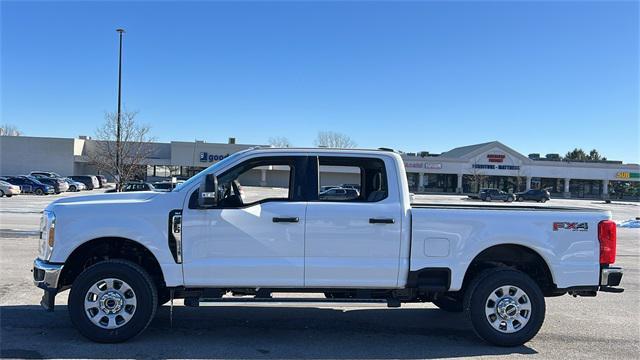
[8, 189]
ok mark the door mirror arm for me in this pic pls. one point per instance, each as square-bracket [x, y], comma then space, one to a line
[208, 194]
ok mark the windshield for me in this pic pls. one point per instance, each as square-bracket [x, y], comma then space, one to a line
[197, 178]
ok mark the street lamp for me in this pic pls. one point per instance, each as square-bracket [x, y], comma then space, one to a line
[120, 31]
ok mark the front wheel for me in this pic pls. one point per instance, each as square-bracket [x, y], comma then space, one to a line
[72, 188]
[39, 192]
[112, 301]
[506, 307]
[488, 198]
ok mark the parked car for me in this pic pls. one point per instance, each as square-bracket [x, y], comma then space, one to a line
[351, 186]
[138, 186]
[74, 186]
[328, 187]
[102, 180]
[91, 182]
[339, 194]
[45, 173]
[58, 183]
[166, 185]
[495, 194]
[121, 255]
[29, 184]
[539, 195]
[8, 189]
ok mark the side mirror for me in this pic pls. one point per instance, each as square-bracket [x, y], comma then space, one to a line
[208, 195]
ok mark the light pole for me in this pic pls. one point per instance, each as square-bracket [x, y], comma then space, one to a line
[120, 31]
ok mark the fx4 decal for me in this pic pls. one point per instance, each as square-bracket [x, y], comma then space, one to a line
[571, 226]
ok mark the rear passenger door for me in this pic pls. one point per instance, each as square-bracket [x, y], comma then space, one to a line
[353, 242]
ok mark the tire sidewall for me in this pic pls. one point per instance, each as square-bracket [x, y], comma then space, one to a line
[475, 305]
[39, 192]
[145, 297]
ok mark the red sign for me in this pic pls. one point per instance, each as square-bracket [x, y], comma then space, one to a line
[496, 158]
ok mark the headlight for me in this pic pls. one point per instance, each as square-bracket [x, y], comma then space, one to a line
[47, 234]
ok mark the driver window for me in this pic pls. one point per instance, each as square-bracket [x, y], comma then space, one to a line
[254, 182]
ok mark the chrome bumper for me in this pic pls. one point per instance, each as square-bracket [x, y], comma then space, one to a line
[45, 274]
[610, 276]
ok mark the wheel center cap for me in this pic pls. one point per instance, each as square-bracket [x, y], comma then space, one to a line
[507, 308]
[111, 302]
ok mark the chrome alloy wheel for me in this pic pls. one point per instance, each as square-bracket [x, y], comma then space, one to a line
[110, 303]
[508, 309]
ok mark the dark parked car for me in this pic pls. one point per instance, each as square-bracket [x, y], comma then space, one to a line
[138, 187]
[339, 194]
[59, 184]
[539, 195]
[91, 182]
[495, 194]
[166, 185]
[29, 184]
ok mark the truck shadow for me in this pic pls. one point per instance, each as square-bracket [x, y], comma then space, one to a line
[255, 332]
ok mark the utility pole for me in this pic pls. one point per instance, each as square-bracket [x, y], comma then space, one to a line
[120, 31]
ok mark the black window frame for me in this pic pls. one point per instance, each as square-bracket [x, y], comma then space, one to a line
[298, 179]
[348, 161]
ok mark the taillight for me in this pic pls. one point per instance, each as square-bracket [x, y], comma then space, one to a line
[607, 237]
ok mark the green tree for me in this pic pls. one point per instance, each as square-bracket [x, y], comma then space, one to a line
[578, 154]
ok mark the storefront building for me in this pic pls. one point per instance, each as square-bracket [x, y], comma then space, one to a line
[468, 169]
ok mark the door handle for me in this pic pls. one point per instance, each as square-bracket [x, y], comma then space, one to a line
[285, 219]
[381, 221]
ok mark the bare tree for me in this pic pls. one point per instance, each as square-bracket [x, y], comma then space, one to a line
[9, 130]
[477, 176]
[135, 148]
[331, 139]
[279, 142]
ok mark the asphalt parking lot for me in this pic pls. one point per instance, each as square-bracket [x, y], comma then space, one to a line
[607, 326]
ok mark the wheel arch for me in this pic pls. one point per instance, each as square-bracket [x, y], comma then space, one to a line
[517, 256]
[105, 248]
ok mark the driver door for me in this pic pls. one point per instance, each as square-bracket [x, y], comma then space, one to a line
[254, 237]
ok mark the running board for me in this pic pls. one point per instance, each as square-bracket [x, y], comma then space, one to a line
[196, 302]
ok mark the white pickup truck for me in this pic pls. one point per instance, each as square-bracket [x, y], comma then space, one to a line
[255, 224]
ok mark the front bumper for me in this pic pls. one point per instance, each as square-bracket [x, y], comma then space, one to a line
[46, 276]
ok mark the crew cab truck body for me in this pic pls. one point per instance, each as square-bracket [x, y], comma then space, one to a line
[225, 232]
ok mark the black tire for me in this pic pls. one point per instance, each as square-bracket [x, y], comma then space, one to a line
[9, 195]
[520, 199]
[509, 199]
[139, 281]
[72, 188]
[488, 198]
[477, 299]
[449, 304]
[39, 192]
[1, 193]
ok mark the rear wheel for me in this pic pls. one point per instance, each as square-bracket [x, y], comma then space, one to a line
[112, 301]
[506, 307]
[1, 193]
[488, 198]
[39, 192]
[73, 188]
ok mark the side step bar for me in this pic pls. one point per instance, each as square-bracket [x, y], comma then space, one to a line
[192, 301]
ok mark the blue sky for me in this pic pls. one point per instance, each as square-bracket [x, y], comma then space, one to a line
[538, 76]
